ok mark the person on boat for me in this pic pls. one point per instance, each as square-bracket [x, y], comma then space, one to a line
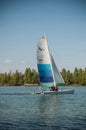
[54, 88]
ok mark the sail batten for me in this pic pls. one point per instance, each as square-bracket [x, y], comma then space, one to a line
[48, 73]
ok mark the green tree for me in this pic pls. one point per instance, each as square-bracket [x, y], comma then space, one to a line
[68, 77]
[9, 77]
[21, 78]
[3, 78]
[64, 74]
[71, 78]
[84, 77]
[80, 76]
[12, 79]
[27, 75]
[16, 77]
[34, 77]
[75, 76]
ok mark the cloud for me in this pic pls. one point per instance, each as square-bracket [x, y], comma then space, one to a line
[23, 62]
[8, 61]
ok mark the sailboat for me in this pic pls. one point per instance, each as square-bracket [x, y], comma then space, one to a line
[49, 75]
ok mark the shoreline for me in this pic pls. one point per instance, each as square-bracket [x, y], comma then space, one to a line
[26, 84]
[35, 84]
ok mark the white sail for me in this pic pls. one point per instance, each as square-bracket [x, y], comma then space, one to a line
[44, 63]
[57, 75]
[48, 72]
[43, 56]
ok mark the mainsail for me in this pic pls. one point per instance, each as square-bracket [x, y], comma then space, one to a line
[48, 72]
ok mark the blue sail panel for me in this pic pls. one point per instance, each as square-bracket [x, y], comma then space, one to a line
[45, 73]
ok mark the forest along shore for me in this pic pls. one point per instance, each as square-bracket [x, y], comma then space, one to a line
[37, 85]
[31, 78]
[28, 85]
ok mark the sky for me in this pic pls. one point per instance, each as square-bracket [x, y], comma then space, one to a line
[23, 22]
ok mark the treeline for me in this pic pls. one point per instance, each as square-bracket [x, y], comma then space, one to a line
[18, 78]
[77, 77]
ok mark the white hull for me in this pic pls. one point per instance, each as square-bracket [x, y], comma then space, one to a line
[67, 91]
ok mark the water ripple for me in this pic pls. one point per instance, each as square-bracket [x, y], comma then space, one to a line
[41, 112]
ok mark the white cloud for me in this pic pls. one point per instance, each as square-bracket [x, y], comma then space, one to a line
[8, 61]
[23, 62]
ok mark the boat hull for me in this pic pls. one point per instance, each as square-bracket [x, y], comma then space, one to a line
[67, 91]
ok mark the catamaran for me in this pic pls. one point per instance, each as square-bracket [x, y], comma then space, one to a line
[49, 74]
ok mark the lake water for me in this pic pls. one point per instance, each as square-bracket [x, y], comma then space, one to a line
[21, 110]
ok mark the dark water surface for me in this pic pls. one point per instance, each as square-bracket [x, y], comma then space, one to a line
[21, 110]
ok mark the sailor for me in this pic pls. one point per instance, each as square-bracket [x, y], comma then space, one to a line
[54, 88]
